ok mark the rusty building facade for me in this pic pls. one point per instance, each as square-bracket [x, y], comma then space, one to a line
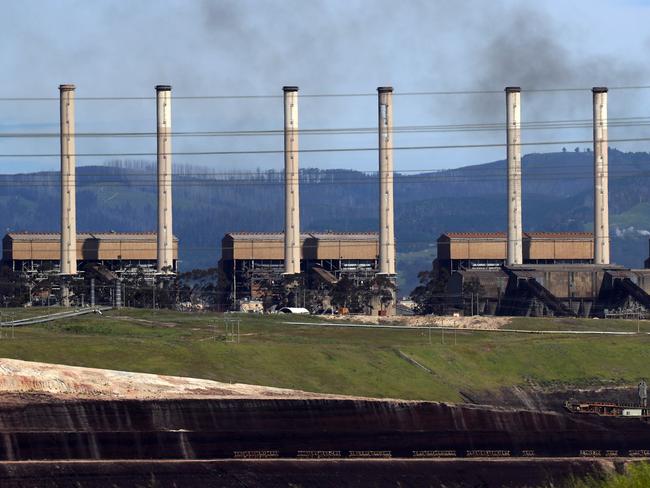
[253, 260]
[32, 252]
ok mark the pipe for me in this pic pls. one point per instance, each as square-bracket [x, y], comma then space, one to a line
[291, 179]
[386, 212]
[68, 262]
[513, 137]
[165, 242]
[601, 176]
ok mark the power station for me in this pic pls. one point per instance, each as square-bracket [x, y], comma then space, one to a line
[68, 254]
[558, 274]
[511, 273]
[257, 265]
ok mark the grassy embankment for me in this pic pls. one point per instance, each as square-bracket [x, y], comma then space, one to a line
[635, 476]
[368, 362]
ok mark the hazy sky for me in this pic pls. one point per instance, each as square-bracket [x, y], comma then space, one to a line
[125, 48]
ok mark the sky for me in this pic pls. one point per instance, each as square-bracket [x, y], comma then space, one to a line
[244, 47]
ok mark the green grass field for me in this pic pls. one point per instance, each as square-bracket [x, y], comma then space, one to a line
[368, 362]
[635, 476]
[558, 324]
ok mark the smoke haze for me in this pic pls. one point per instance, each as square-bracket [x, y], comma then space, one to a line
[255, 47]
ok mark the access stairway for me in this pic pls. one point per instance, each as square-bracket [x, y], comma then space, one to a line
[625, 287]
[546, 297]
[524, 290]
[325, 275]
[102, 272]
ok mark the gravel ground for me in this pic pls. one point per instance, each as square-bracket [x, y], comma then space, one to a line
[476, 322]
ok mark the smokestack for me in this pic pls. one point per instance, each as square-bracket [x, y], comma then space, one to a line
[386, 217]
[601, 177]
[68, 262]
[513, 130]
[291, 190]
[164, 128]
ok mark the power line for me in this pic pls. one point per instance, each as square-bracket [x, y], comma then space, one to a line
[402, 177]
[250, 183]
[307, 176]
[323, 150]
[324, 95]
[637, 121]
[315, 175]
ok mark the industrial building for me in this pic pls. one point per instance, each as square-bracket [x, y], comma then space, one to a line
[580, 290]
[247, 259]
[489, 250]
[32, 252]
[557, 276]
[253, 260]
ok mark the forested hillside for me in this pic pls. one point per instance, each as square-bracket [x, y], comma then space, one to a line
[557, 196]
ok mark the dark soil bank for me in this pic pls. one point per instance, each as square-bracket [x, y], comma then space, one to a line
[209, 429]
[547, 399]
[233, 433]
[295, 474]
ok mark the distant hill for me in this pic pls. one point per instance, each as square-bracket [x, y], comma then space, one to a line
[557, 196]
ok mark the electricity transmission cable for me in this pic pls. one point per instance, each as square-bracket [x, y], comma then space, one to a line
[325, 150]
[330, 176]
[636, 121]
[404, 176]
[324, 95]
[246, 183]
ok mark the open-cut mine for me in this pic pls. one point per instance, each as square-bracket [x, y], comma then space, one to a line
[73, 425]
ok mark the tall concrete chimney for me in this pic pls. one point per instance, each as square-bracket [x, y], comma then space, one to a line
[386, 213]
[291, 178]
[68, 262]
[513, 130]
[601, 177]
[165, 229]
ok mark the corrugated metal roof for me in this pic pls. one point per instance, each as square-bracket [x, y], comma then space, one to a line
[259, 236]
[104, 236]
[323, 236]
[529, 235]
[345, 236]
[559, 235]
[475, 235]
